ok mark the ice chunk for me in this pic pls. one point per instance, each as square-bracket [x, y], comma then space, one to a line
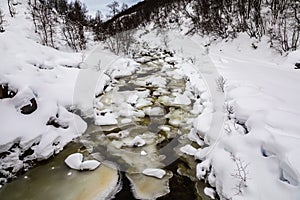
[188, 149]
[138, 141]
[146, 187]
[107, 119]
[90, 165]
[158, 173]
[156, 111]
[74, 160]
[182, 99]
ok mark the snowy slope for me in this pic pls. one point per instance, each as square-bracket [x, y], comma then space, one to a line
[262, 89]
[43, 80]
[254, 153]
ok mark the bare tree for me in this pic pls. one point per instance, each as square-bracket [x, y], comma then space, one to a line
[120, 42]
[113, 9]
[221, 82]
[124, 7]
[1, 21]
[241, 174]
[11, 8]
[44, 21]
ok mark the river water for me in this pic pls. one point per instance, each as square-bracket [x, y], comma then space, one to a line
[145, 107]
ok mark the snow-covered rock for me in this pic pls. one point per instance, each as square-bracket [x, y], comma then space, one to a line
[74, 161]
[210, 192]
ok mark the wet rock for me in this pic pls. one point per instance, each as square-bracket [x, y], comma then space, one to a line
[6, 92]
[30, 108]
[54, 121]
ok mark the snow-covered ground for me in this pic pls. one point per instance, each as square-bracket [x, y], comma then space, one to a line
[254, 153]
[251, 130]
[262, 92]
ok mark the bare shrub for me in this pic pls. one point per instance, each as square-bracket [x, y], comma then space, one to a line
[221, 82]
[12, 10]
[166, 41]
[1, 21]
[241, 174]
[120, 42]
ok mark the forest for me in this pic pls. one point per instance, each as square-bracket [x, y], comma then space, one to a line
[276, 19]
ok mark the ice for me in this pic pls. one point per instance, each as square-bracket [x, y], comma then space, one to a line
[158, 173]
[165, 128]
[137, 141]
[144, 153]
[89, 165]
[126, 121]
[119, 135]
[74, 161]
[188, 149]
[146, 187]
[154, 111]
[106, 119]
[182, 99]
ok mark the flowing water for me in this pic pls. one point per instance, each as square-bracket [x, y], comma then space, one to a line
[143, 105]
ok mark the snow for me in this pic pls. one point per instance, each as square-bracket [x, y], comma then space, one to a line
[210, 192]
[106, 119]
[58, 81]
[158, 173]
[144, 153]
[182, 99]
[89, 165]
[154, 111]
[188, 149]
[262, 91]
[137, 141]
[74, 161]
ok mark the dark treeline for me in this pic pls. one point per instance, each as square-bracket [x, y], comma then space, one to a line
[277, 19]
